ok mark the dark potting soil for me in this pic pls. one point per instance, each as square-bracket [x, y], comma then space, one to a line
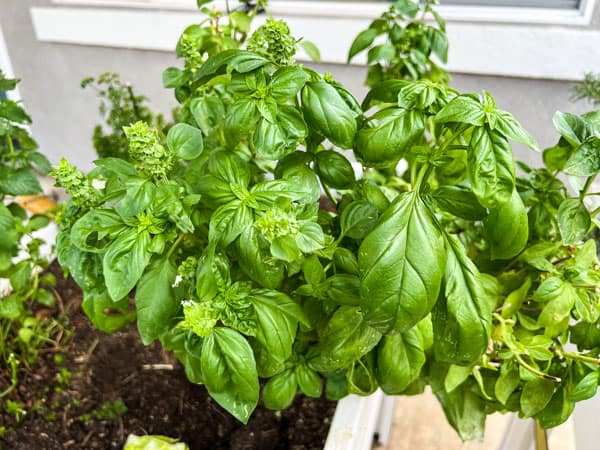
[111, 372]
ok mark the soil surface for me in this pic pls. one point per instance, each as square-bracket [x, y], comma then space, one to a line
[112, 385]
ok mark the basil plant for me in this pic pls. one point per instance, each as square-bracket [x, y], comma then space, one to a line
[254, 251]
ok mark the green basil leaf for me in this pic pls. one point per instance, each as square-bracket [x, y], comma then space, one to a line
[510, 128]
[287, 82]
[343, 288]
[277, 318]
[574, 220]
[345, 339]
[439, 44]
[585, 388]
[90, 231]
[230, 372]
[241, 119]
[311, 50]
[18, 181]
[241, 21]
[254, 263]
[535, 396]
[462, 109]
[384, 144]
[507, 382]
[558, 410]
[363, 40]
[507, 228]
[358, 219]
[345, 260]
[185, 141]
[310, 237]
[559, 297]
[334, 169]
[515, 299]
[464, 407]
[270, 140]
[400, 358]
[125, 261]
[239, 60]
[382, 52]
[459, 201]
[106, 314]
[573, 128]
[291, 122]
[456, 376]
[279, 391]
[326, 113]
[227, 223]
[491, 167]
[208, 111]
[309, 381]
[172, 77]
[155, 300]
[11, 111]
[462, 317]
[402, 264]
[409, 8]
[585, 159]
[384, 92]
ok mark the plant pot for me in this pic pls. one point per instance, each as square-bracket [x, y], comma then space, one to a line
[359, 422]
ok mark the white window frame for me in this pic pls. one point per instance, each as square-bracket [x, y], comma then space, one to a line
[551, 43]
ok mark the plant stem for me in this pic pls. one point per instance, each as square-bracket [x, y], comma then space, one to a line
[329, 194]
[586, 187]
[535, 371]
[579, 357]
[174, 246]
[133, 102]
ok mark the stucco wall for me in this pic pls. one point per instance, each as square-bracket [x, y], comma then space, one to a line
[64, 115]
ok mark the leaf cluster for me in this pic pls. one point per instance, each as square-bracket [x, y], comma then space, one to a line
[255, 251]
[403, 46]
[22, 334]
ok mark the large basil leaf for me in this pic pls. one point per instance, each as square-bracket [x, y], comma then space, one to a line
[507, 228]
[277, 318]
[125, 261]
[326, 113]
[155, 300]
[461, 317]
[89, 233]
[345, 339]
[400, 358]
[287, 82]
[491, 167]
[462, 109]
[228, 222]
[334, 169]
[535, 396]
[185, 141]
[464, 407]
[230, 372]
[402, 264]
[385, 143]
[240, 60]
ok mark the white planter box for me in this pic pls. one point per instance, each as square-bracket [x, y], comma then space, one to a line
[359, 422]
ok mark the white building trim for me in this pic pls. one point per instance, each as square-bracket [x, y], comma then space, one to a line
[553, 44]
